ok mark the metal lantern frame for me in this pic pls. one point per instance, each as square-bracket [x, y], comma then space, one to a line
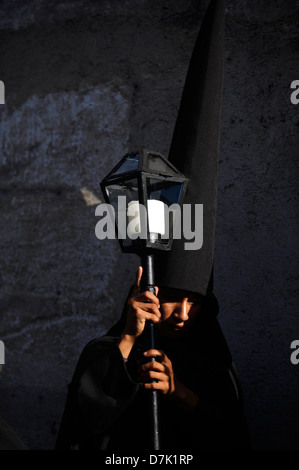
[143, 173]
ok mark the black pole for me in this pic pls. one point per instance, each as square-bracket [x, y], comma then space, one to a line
[148, 283]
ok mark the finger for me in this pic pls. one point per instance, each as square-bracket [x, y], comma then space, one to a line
[148, 296]
[154, 353]
[143, 315]
[153, 365]
[157, 386]
[141, 307]
[157, 290]
[138, 279]
[154, 375]
[149, 307]
[154, 318]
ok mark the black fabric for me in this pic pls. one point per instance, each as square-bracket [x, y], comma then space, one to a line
[107, 409]
[194, 151]
[99, 392]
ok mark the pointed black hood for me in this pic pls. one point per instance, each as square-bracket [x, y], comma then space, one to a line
[194, 151]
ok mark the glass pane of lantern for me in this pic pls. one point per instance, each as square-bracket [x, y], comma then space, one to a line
[156, 163]
[168, 192]
[122, 195]
[130, 163]
[161, 193]
[127, 188]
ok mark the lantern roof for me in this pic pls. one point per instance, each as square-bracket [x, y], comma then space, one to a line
[144, 161]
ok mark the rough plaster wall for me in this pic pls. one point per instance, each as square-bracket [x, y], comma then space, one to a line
[87, 81]
[257, 231]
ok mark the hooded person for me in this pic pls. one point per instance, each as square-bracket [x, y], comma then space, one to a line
[200, 405]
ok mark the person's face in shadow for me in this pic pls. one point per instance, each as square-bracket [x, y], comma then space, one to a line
[179, 309]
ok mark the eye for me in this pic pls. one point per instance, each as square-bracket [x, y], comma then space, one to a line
[163, 301]
[167, 300]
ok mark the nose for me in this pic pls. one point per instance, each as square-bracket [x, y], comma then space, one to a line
[182, 310]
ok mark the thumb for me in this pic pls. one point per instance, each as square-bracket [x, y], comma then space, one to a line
[138, 279]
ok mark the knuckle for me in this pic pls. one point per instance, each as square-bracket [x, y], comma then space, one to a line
[132, 302]
[139, 314]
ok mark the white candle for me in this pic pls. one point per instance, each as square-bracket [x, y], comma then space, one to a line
[155, 217]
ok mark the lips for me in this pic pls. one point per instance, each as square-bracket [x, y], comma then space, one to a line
[177, 326]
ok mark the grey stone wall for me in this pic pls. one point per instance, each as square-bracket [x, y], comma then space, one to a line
[87, 81]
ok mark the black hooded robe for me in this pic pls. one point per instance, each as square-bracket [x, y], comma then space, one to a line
[107, 409]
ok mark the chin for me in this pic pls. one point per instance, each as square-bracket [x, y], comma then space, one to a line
[171, 332]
